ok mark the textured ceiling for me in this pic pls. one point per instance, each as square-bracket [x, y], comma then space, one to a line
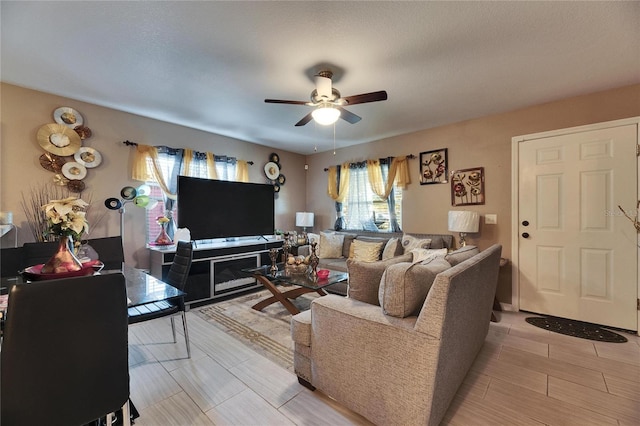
[210, 65]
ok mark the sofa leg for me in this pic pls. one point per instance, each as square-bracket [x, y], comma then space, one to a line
[306, 384]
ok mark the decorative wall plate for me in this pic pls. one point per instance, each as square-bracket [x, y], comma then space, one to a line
[52, 162]
[83, 132]
[281, 179]
[68, 116]
[274, 158]
[276, 188]
[75, 185]
[60, 180]
[74, 171]
[88, 157]
[58, 139]
[272, 170]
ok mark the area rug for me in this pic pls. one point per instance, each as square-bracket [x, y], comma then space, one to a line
[583, 330]
[267, 332]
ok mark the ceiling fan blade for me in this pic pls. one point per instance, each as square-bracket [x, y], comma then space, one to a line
[307, 118]
[366, 97]
[348, 116]
[280, 101]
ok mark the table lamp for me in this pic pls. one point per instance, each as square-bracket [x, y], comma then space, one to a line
[463, 221]
[304, 219]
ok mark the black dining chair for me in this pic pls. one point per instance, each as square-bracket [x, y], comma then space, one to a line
[109, 251]
[177, 277]
[64, 358]
[37, 253]
[11, 261]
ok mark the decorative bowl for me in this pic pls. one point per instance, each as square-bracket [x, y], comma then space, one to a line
[300, 268]
[323, 273]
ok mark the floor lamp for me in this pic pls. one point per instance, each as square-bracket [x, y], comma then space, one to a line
[138, 196]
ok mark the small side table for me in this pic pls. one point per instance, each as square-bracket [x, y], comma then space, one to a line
[496, 305]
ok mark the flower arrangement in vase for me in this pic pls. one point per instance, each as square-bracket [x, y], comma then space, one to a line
[66, 220]
[163, 239]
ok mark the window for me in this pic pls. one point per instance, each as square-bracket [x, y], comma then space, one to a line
[167, 162]
[363, 209]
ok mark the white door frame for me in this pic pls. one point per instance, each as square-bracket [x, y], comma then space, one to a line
[515, 184]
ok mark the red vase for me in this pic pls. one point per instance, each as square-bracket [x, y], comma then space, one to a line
[163, 238]
[64, 260]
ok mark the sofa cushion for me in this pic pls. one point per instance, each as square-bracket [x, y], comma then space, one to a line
[461, 255]
[367, 251]
[364, 277]
[330, 245]
[391, 249]
[420, 255]
[301, 328]
[404, 286]
[346, 245]
[409, 242]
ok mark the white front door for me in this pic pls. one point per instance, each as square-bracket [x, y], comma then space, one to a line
[577, 254]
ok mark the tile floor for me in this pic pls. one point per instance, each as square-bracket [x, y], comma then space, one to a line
[522, 376]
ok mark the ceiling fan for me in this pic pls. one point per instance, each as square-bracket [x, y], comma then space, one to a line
[329, 103]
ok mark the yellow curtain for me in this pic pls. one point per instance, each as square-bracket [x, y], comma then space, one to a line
[338, 194]
[186, 161]
[375, 179]
[211, 166]
[242, 171]
[141, 172]
[398, 173]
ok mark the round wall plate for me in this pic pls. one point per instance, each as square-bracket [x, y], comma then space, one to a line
[68, 117]
[74, 171]
[88, 157]
[271, 170]
[58, 139]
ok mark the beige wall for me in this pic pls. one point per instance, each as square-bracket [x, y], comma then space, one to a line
[24, 111]
[482, 142]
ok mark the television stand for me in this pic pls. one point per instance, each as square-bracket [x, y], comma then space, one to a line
[216, 268]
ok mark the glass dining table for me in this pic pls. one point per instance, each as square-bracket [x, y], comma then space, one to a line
[142, 288]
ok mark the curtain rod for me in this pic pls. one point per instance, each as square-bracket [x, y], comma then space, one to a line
[410, 156]
[129, 143]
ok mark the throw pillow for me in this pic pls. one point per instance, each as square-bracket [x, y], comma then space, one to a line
[410, 242]
[330, 245]
[420, 255]
[364, 278]
[346, 245]
[404, 287]
[390, 248]
[367, 251]
[461, 254]
[314, 237]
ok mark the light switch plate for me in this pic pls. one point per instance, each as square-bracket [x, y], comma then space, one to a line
[490, 219]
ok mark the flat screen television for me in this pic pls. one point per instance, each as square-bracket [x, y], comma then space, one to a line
[222, 209]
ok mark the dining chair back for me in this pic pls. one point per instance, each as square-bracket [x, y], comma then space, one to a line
[109, 251]
[177, 277]
[11, 261]
[64, 358]
[37, 253]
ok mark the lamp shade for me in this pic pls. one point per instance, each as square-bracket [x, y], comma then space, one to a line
[304, 219]
[463, 221]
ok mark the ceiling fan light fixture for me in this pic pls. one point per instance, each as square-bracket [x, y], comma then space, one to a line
[326, 115]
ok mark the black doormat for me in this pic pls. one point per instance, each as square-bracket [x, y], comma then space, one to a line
[583, 330]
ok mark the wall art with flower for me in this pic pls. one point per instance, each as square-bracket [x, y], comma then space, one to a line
[467, 186]
[434, 167]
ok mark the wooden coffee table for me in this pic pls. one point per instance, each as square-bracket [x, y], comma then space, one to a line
[303, 283]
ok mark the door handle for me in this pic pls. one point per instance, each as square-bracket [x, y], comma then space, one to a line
[525, 235]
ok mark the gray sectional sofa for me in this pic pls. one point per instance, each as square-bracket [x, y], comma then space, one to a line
[401, 359]
[438, 241]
